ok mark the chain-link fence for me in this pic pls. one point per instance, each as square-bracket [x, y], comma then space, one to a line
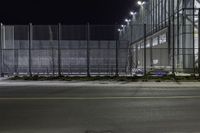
[173, 49]
[98, 50]
[62, 50]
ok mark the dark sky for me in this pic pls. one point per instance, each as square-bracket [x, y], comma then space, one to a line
[65, 11]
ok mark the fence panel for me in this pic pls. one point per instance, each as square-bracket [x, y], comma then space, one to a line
[97, 49]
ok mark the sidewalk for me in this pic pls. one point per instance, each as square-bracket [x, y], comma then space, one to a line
[6, 82]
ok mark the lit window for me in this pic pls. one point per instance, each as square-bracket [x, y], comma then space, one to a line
[148, 45]
[139, 47]
[155, 41]
[155, 62]
[197, 5]
[163, 39]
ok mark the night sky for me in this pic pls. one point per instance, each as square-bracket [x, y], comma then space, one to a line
[65, 11]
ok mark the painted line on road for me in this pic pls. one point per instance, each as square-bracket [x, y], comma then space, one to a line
[100, 98]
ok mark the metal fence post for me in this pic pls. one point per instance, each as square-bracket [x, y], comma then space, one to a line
[53, 65]
[88, 50]
[16, 60]
[117, 63]
[136, 58]
[117, 52]
[145, 64]
[178, 34]
[199, 43]
[59, 50]
[173, 39]
[16, 56]
[169, 34]
[130, 51]
[29, 47]
[1, 41]
[151, 53]
[173, 48]
[193, 39]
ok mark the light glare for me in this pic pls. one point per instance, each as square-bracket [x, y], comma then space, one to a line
[119, 30]
[131, 13]
[139, 3]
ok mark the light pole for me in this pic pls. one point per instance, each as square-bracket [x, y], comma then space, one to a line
[127, 21]
[128, 27]
[129, 34]
[121, 31]
[133, 60]
[141, 4]
[133, 15]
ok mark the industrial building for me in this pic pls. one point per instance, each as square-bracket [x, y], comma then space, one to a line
[163, 34]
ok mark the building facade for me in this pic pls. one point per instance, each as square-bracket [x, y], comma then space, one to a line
[164, 34]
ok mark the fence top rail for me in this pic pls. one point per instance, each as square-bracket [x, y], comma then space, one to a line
[61, 24]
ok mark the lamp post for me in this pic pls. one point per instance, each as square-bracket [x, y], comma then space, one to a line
[141, 4]
[121, 31]
[133, 15]
[129, 34]
[127, 21]
[128, 27]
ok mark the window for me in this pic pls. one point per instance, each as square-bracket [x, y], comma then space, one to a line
[155, 41]
[163, 39]
[148, 44]
[155, 62]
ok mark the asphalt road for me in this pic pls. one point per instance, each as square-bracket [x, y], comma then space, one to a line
[99, 109]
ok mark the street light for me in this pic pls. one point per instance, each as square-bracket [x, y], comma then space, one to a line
[119, 30]
[141, 3]
[131, 13]
[127, 20]
[123, 26]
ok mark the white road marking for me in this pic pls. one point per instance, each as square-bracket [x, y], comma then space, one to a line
[98, 98]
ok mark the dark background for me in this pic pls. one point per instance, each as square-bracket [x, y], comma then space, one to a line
[65, 11]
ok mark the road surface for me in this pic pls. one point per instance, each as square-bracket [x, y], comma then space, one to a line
[99, 108]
